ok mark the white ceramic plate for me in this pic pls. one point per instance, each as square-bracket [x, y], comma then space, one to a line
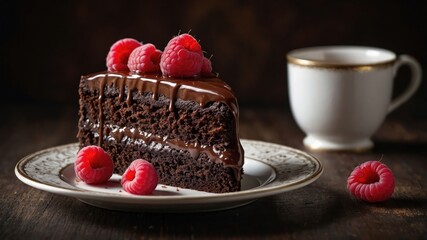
[269, 169]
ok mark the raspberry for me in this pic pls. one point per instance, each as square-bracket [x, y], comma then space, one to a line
[206, 67]
[182, 57]
[93, 165]
[117, 58]
[372, 181]
[140, 178]
[145, 59]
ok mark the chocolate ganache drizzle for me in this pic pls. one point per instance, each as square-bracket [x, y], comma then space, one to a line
[200, 90]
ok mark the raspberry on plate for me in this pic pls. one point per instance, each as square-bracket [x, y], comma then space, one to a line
[372, 181]
[140, 178]
[145, 59]
[93, 165]
[117, 58]
[182, 57]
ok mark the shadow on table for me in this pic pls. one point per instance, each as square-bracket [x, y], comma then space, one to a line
[394, 146]
[404, 203]
[307, 208]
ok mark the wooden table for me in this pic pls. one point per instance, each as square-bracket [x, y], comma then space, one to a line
[322, 210]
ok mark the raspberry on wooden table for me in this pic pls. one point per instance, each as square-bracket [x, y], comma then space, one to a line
[371, 181]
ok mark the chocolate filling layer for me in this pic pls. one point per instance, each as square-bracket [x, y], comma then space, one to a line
[202, 91]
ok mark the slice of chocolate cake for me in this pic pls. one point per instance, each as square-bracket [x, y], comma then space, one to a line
[186, 127]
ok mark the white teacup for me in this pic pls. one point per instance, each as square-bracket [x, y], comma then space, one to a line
[340, 95]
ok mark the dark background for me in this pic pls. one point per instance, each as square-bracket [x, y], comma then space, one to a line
[46, 46]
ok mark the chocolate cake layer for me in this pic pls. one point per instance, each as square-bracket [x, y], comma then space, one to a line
[186, 128]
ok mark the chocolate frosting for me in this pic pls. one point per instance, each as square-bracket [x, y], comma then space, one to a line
[201, 90]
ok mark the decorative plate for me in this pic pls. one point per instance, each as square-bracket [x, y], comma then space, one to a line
[269, 169]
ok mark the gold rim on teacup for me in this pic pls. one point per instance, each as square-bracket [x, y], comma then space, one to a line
[319, 63]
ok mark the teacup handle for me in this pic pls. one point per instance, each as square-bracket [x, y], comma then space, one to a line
[416, 73]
